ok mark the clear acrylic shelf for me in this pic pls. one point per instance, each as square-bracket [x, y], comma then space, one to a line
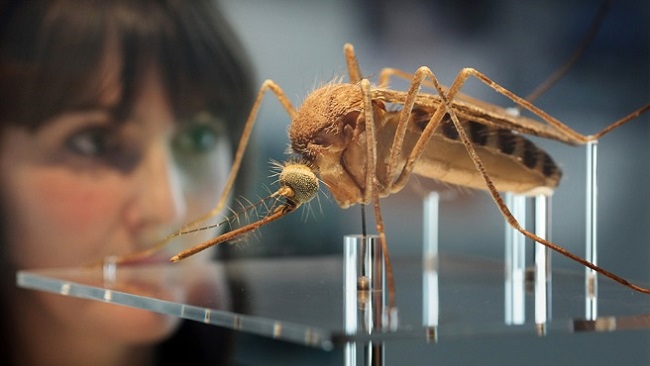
[301, 300]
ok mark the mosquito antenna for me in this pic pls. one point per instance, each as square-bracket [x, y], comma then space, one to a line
[577, 54]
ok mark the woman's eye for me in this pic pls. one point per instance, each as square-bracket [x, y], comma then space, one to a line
[93, 142]
[198, 139]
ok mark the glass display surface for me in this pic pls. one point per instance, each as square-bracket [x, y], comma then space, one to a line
[301, 300]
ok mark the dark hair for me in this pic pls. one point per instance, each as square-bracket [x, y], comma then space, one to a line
[51, 54]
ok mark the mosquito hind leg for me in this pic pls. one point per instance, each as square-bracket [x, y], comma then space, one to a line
[573, 135]
[512, 221]
[490, 187]
[449, 94]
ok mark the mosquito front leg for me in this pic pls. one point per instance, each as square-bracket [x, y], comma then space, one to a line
[239, 155]
[371, 141]
[371, 191]
[243, 143]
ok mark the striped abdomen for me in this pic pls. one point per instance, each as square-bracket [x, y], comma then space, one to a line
[513, 162]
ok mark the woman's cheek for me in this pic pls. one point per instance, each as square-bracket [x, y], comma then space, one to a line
[62, 218]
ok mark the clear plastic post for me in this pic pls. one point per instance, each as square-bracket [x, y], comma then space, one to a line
[542, 263]
[430, 261]
[591, 278]
[109, 271]
[364, 289]
[515, 257]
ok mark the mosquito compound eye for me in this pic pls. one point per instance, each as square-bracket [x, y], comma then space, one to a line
[302, 180]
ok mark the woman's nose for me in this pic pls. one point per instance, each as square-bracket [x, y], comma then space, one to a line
[159, 201]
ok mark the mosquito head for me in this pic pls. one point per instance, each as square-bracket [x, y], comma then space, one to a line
[301, 180]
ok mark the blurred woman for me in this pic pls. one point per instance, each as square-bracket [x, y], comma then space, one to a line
[116, 125]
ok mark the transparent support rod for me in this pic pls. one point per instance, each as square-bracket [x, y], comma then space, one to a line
[430, 262]
[591, 278]
[517, 275]
[542, 263]
[515, 258]
[364, 295]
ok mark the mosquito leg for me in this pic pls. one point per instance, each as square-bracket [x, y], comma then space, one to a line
[426, 134]
[239, 155]
[371, 141]
[386, 73]
[574, 137]
[577, 137]
[371, 191]
[371, 180]
[354, 72]
[435, 120]
[422, 74]
[621, 122]
[577, 54]
[402, 124]
[389, 267]
[243, 143]
[496, 196]
[353, 64]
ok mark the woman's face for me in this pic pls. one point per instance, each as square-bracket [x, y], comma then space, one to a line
[83, 187]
